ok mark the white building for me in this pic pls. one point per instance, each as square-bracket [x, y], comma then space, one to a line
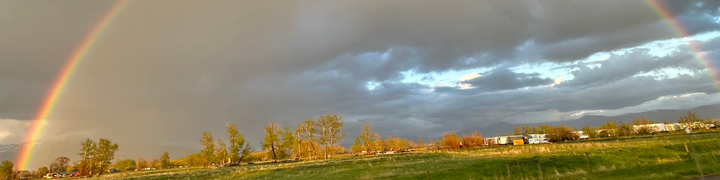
[537, 139]
[501, 140]
[655, 128]
[582, 135]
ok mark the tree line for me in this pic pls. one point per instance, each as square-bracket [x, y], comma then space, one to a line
[312, 139]
[95, 159]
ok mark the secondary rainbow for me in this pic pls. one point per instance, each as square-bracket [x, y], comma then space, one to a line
[681, 32]
[38, 125]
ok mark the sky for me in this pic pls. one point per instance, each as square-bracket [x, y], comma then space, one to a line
[162, 72]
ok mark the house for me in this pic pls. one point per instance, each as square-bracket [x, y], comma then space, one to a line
[537, 139]
[582, 134]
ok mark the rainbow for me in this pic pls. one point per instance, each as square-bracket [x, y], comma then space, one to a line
[681, 32]
[37, 126]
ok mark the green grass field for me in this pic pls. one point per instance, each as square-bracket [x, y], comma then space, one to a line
[649, 157]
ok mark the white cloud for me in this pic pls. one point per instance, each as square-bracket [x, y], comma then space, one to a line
[584, 112]
[558, 80]
[467, 77]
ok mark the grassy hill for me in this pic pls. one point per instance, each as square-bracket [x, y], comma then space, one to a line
[647, 157]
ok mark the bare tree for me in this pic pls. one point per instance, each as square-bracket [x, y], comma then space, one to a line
[59, 165]
[307, 137]
[330, 131]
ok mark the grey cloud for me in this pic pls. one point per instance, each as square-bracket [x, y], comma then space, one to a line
[625, 65]
[503, 79]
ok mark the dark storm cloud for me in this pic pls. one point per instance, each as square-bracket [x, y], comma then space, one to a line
[166, 71]
[503, 79]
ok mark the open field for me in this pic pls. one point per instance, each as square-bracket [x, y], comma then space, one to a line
[649, 157]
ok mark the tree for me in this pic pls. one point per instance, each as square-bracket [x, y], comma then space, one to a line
[610, 129]
[104, 154]
[544, 129]
[378, 145]
[688, 120]
[271, 139]
[60, 164]
[164, 160]
[357, 146]
[420, 143]
[450, 140]
[625, 129]
[393, 144]
[141, 164]
[307, 138]
[220, 151]
[208, 148]
[330, 131]
[644, 130]
[533, 130]
[42, 171]
[476, 139]
[6, 169]
[125, 165]
[87, 152]
[412, 144]
[517, 130]
[153, 163]
[561, 133]
[239, 148]
[587, 130]
[641, 121]
[287, 144]
[366, 138]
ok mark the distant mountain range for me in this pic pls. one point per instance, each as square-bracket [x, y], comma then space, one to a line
[670, 115]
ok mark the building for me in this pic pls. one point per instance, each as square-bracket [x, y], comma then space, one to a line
[490, 141]
[537, 139]
[517, 140]
[501, 140]
[655, 128]
[582, 134]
